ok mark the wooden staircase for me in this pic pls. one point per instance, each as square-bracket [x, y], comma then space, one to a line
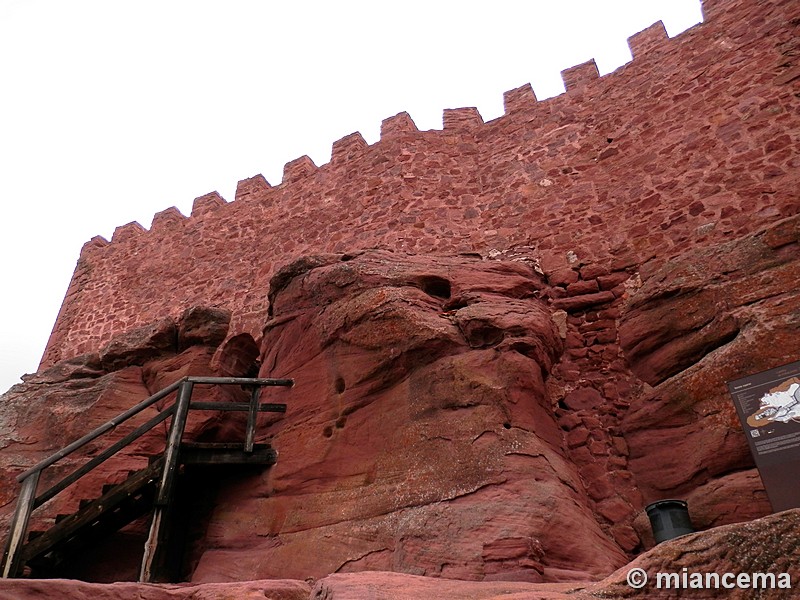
[149, 490]
[119, 505]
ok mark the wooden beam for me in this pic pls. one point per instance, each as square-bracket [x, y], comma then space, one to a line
[158, 526]
[19, 526]
[237, 406]
[173, 447]
[261, 454]
[241, 381]
[148, 560]
[250, 432]
[101, 430]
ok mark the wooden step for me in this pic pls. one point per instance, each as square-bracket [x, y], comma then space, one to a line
[226, 454]
[47, 562]
[121, 503]
[72, 525]
[69, 546]
[219, 445]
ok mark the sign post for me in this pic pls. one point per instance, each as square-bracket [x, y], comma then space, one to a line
[768, 405]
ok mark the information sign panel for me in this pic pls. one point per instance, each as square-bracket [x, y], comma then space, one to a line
[768, 404]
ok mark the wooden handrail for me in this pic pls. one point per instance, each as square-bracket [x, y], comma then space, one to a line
[121, 418]
[19, 526]
[102, 457]
[242, 381]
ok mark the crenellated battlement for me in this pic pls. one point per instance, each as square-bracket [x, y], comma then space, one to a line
[648, 40]
[461, 118]
[298, 168]
[397, 125]
[167, 219]
[253, 186]
[684, 144]
[126, 232]
[454, 120]
[207, 204]
[348, 147]
[518, 99]
[576, 77]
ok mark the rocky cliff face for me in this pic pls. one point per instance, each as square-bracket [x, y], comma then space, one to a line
[727, 549]
[467, 417]
[421, 436]
[706, 318]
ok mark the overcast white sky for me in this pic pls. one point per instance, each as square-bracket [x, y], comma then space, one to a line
[112, 110]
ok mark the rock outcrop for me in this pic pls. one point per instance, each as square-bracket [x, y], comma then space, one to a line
[708, 317]
[420, 437]
[497, 408]
[77, 590]
[460, 417]
[767, 546]
[770, 545]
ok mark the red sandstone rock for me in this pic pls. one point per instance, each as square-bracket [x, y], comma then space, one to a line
[397, 586]
[136, 346]
[577, 303]
[275, 589]
[237, 357]
[438, 426]
[583, 398]
[766, 546]
[61, 404]
[203, 326]
[583, 287]
[420, 435]
[685, 430]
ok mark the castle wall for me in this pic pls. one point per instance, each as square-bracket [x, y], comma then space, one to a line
[692, 143]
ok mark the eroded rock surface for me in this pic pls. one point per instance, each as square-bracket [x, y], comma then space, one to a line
[767, 546]
[78, 590]
[711, 316]
[460, 417]
[420, 436]
[770, 545]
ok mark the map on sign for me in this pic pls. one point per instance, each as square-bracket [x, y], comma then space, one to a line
[781, 404]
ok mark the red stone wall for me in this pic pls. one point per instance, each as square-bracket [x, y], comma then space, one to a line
[692, 143]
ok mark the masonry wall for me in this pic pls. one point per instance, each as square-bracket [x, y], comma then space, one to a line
[692, 143]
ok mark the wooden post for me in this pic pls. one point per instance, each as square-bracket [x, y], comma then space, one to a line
[165, 489]
[19, 525]
[250, 435]
[174, 443]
